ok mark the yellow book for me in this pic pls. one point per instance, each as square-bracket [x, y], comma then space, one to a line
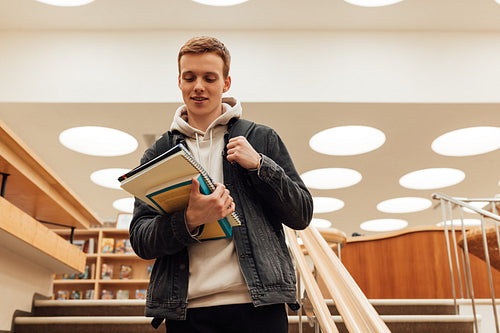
[165, 183]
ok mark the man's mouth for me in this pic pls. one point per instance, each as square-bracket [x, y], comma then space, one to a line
[198, 99]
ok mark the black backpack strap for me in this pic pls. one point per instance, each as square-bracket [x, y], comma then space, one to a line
[167, 141]
[240, 127]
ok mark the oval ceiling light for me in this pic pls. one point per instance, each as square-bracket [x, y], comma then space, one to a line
[427, 179]
[98, 141]
[108, 177]
[326, 205]
[379, 225]
[331, 178]
[458, 223]
[66, 3]
[347, 140]
[321, 223]
[372, 3]
[125, 205]
[468, 141]
[220, 3]
[404, 205]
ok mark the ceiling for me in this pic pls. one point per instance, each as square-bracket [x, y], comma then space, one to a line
[409, 128]
[429, 15]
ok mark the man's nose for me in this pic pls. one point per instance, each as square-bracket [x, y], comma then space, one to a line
[199, 85]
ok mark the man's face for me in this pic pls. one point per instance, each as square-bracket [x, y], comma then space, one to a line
[202, 84]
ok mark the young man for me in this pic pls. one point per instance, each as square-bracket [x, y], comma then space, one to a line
[237, 284]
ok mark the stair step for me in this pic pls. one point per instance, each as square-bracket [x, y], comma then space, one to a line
[47, 308]
[130, 324]
[403, 324]
[407, 306]
[51, 308]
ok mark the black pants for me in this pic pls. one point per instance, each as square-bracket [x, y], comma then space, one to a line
[238, 318]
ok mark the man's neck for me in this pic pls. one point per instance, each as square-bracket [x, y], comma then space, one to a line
[202, 123]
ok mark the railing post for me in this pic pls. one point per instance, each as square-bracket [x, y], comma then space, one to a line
[446, 236]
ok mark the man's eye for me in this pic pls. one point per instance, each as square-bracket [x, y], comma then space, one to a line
[189, 78]
[210, 79]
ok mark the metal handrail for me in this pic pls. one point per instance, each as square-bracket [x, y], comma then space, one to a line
[462, 203]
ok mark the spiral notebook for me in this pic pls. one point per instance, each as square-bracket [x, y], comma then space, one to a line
[165, 183]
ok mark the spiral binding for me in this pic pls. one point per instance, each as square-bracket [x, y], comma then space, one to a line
[208, 180]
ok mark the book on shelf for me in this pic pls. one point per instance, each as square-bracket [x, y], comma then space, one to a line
[149, 270]
[128, 247]
[125, 272]
[89, 294]
[107, 271]
[107, 294]
[165, 184]
[62, 295]
[85, 274]
[120, 246]
[140, 294]
[88, 246]
[122, 294]
[108, 245]
[76, 294]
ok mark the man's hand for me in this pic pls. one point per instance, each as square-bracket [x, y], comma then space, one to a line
[204, 209]
[239, 150]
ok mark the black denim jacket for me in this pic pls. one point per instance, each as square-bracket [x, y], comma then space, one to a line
[265, 200]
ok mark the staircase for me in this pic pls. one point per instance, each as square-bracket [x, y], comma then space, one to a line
[127, 316]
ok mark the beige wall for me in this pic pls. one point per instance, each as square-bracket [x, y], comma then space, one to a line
[20, 279]
[319, 66]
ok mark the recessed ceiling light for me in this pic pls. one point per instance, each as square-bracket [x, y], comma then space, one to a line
[372, 3]
[384, 225]
[404, 205]
[124, 205]
[326, 205]
[468, 141]
[220, 2]
[98, 141]
[458, 222]
[66, 3]
[321, 223]
[108, 177]
[347, 140]
[331, 178]
[432, 178]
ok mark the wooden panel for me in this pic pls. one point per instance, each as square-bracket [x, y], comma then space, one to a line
[409, 265]
[35, 189]
[25, 236]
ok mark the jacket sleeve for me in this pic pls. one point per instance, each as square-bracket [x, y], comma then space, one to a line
[280, 186]
[154, 234]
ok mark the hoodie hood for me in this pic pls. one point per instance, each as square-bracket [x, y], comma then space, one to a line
[231, 109]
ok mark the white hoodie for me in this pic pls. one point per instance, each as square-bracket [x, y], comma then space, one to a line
[215, 276]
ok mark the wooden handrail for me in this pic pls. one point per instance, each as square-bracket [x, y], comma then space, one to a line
[358, 314]
[317, 300]
[333, 235]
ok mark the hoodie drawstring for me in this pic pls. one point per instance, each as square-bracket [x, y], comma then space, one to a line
[207, 167]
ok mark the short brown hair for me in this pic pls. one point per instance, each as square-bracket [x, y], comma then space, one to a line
[204, 44]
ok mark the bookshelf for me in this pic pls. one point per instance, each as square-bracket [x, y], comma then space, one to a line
[128, 273]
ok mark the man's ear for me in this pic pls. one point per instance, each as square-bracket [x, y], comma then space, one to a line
[179, 81]
[227, 84]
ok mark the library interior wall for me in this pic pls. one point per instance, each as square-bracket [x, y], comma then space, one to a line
[19, 283]
[282, 66]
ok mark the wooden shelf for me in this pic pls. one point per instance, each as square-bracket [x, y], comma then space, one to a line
[138, 283]
[36, 190]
